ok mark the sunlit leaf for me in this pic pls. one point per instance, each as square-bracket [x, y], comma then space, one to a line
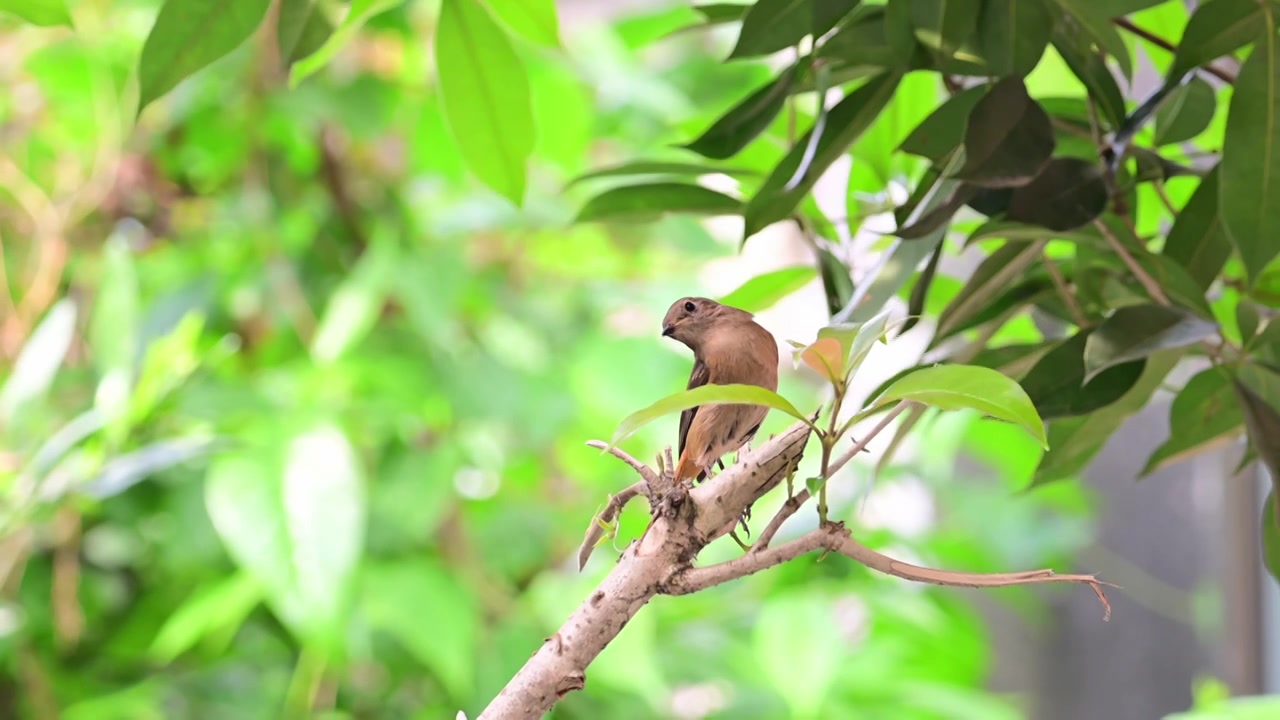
[359, 13]
[44, 13]
[217, 607]
[1249, 174]
[356, 304]
[969, 387]
[766, 289]
[704, 395]
[485, 93]
[534, 20]
[187, 36]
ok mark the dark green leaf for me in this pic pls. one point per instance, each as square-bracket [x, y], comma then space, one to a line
[1198, 241]
[1270, 524]
[762, 291]
[1007, 138]
[42, 13]
[1115, 8]
[920, 292]
[1259, 392]
[938, 216]
[1216, 29]
[187, 36]
[994, 276]
[1136, 331]
[944, 25]
[991, 201]
[644, 167]
[1067, 194]
[1057, 383]
[1265, 346]
[1092, 71]
[1153, 167]
[718, 13]
[301, 30]
[1249, 180]
[845, 122]
[1093, 25]
[704, 395]
[1176, 282]
[744, 121]
[1020, 231]
[773, 25]
[358, 13]
[1013, 360]
[1247, 320]
[649, 201]
[485, 92]
[1185, 113]
[837, 283]
[878, 36]
[1204, 411]
[968, 387]
[943, 130]
[1013, 34]
[1074, 441]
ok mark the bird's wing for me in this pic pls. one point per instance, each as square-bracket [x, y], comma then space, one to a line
[699, 377]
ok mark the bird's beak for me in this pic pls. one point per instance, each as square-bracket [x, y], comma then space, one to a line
[667, 330]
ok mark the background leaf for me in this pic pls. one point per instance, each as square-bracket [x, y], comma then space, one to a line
[704, 395]
[762, 291]
[187, 36]
[969, 387]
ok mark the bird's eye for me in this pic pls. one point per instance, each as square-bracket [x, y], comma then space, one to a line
[690, 307]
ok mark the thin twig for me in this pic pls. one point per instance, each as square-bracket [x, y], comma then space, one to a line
[1060, 283]
[788, 509]
[835, 538]
[645, 471]
[858, 446]
[611, 510]
[1160, 42]
[1152, 287]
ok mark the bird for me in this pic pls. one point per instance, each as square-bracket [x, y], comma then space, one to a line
[729, 347]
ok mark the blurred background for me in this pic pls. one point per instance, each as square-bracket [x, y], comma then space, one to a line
[293, 415]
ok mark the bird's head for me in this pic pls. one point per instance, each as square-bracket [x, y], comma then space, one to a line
[689, 319]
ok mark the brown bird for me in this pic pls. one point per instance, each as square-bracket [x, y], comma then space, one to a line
[728, 348]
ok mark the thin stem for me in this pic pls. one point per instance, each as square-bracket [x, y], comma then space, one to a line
[1152, 287]
[1060, 284]
[1163, 44]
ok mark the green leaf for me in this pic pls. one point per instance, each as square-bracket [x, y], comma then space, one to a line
[1095, 26]
[113, 328]
[969, 387]
[1067, 194]
[217, 607]
[720, 13]
[485, 93]
[1258, 390]
[773, 25]
[1013, 34]
[301, 30]
[356, 303]
[1057, 383]
[704, 395]
[187, 36]
[1186, 113]
[533, 20]
[1249, 183]
[1021, 231]
[944, 25]
[38, 362]
[1247, 320]
[879, 36]
[359, 12]
[1198, 241]
[1008, 139]
[652, 200]
[1215, 29]
[297, 528]
[764, 290]
[840, 349]
[396, 597]
[943, 130]
[1092, 71]
[1074, 441]
[1136, 331]
[837, 284]
[774, 201]
[1203, 412]
[1270, 523]
[993, 276]
[646, 167]
[44, 13]
[746, 120]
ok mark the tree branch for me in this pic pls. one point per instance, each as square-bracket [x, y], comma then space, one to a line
[1160, 42]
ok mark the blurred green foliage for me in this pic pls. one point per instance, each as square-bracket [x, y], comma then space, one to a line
[293, 407]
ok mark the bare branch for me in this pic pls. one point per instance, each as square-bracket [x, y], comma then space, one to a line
[646, 472]
[1060, 284]
[1152, 287]
[788, 509]
[694, 579]
[858, 446]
